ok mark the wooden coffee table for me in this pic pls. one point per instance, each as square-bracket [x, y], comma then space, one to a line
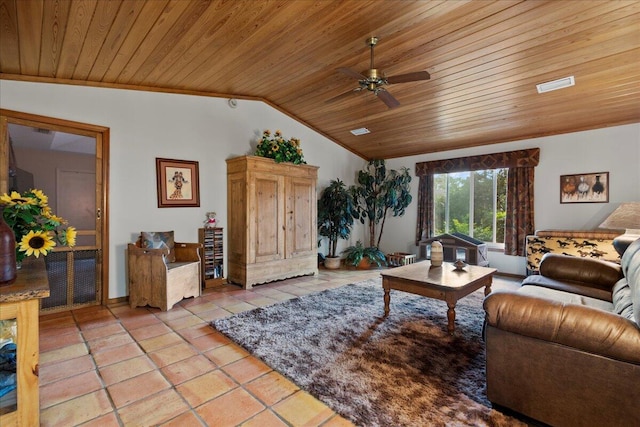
[444, 283]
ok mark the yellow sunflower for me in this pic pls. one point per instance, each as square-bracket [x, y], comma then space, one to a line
[16, 198]
[54, 218]
[44, 200]
[70, 236]
[36, 243]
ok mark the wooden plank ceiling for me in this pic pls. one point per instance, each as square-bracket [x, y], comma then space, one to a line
[484, 57]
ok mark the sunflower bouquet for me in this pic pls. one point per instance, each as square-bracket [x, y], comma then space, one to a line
[280, 149]
[36, 228]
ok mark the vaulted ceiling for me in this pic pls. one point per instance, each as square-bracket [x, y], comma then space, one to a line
[484, 58]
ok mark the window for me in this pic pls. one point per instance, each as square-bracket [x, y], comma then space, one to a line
[471, 203]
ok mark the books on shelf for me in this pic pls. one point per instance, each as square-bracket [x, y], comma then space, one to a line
[212, 254]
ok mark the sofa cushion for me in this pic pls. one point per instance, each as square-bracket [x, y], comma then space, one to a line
[566, 286]
[622, 303]
[159, 240]
[566, 297]
[631, 269]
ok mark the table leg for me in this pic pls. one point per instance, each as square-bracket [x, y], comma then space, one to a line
[387, 298]
[487, 289]
[451, 316]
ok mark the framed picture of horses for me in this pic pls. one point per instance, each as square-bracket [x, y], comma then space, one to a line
[178, 185]
[585, 188]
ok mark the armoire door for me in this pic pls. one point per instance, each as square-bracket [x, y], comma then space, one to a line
[301, 217]
[267, 230]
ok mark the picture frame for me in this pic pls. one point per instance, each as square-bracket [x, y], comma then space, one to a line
[178, 183]
[585, 188]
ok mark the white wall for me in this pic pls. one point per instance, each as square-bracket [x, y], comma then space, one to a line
[146, 125]
[615, 150]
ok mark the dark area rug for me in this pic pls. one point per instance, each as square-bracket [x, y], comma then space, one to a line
[405, 370]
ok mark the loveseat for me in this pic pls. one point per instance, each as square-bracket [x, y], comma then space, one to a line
[564, 348]
[596, 244]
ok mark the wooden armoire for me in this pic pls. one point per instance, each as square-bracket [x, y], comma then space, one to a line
[271, 212]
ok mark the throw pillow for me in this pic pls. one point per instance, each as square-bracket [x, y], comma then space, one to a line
[159, 240]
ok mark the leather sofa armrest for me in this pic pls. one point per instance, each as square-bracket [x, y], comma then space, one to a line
[187, 252]
[585, 270]
[584, 328]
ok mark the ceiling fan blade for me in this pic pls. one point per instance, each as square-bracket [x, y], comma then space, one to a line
[387, 98]
[349, 72]
[343, 95]
[409, 77]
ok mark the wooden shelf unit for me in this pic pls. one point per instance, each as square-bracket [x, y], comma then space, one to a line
[20, 301]
[212, 256]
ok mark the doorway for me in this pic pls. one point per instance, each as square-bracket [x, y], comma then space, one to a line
[68, 161]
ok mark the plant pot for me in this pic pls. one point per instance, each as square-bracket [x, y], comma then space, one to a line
[364, 264]
[332, 263]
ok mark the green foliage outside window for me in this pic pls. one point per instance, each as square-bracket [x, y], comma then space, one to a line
[453, 191]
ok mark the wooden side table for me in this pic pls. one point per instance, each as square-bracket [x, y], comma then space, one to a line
[20, 301]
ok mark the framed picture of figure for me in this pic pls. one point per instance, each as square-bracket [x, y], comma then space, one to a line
[178, 185]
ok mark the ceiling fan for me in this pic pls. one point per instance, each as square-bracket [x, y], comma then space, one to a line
[374, 80]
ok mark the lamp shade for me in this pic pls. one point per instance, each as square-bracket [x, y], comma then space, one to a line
[626, 216]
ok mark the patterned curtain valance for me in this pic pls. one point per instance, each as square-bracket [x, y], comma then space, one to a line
[510, 159]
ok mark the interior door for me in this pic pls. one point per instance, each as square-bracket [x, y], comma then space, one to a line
[68, 162]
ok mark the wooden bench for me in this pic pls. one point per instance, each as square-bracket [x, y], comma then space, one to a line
[155, 282]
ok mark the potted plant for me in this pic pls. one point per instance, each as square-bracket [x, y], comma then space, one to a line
[379, 193]
[280, 149]
[335, 218]
[362, 257]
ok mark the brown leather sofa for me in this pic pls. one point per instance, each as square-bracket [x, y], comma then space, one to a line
[564, 348]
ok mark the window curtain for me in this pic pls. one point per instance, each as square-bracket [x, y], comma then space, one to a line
[519, 221]
[424, 229]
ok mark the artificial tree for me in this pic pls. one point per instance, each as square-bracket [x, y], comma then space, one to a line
[336, 211]
[379, 193]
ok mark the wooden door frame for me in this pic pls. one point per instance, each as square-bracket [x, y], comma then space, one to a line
[101, 135]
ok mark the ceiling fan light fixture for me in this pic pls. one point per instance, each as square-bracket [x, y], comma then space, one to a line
[556, 84]
[360, 131]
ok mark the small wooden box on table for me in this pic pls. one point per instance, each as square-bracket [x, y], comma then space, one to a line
[21, 301]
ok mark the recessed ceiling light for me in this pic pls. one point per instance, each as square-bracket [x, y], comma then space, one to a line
[556, 84]
[361, 131]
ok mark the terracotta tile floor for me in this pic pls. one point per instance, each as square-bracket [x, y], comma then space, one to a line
[114, 366]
